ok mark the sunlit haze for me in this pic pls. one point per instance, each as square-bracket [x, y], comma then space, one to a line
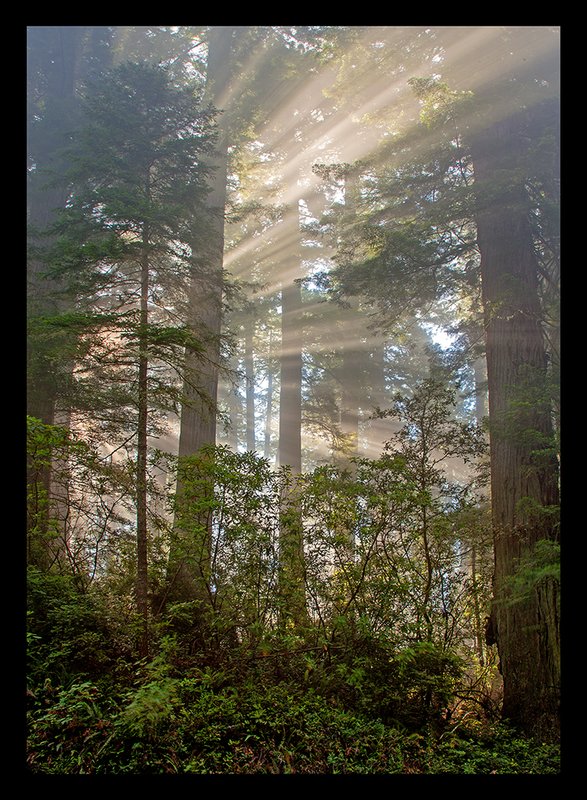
[323, 120]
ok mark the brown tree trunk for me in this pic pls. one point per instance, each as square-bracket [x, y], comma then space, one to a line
[198, 416]
[68, 45]
[187, 573]
[292, 584]
[250, 387]
[522, 483]
[290, 401]
[480, 372]
[142, 449]
[269, 402]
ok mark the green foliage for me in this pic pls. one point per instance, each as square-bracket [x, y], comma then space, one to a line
[540, 565]
[150, 705]
[199, 728]
[137, 202]
[381, 670]
[70, 516]
[427, 673]
[68, 634]
[234, 687]
[274, 730]
[440, 104]
[379, 557]
[65, 730]
[479, 749]
[408, 687]
[236, 496]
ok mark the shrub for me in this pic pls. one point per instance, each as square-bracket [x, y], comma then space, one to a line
[65, 729]
[67, 637]
[192, 725]
[480, 749]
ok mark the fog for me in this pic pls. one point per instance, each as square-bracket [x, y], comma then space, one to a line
[319, 127]
[293, 430]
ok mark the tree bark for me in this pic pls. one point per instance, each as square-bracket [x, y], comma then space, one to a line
[142, 451]
[65, 55]
[269, 402]
[349, 400]
[292, 583]
[525, 628]
[290, 402]
[480, 372]
[198, 413]
[250, 387]
[291, 546]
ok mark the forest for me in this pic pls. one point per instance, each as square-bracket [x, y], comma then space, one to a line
[292, 400]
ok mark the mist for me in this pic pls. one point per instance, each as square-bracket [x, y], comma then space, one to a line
[293, 356]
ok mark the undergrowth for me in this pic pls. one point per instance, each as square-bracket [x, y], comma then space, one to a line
[195, 725]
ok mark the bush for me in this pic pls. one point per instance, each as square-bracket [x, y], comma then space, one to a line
[187, 726]
[191, 725]
[410, 687]
[67, 637]
[481, 749]
[65, 729]
[281, 729]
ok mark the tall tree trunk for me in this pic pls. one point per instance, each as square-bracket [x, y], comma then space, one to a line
[269, 402]
[198, 416]
[187, 574]
[63, 55]
[351, 352]
[523, 484]
[291, 546]
[380, 429]
[349, 399]
[142, 445]
[250, 387]
[480, 372]
[235, 413]
[292, 583]
[290, 398]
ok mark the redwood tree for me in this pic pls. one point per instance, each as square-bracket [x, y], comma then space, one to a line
[187, 573]
[476, 202]
[524, 469]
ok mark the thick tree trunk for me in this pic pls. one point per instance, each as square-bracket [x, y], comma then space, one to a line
[290, 399]
[250, 388]
[523, 482]
[187, 573]
[292, 583]
[65, 54]
[142, 452]
[198, 416]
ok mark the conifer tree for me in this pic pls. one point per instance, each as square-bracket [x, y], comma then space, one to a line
[131, 238]
[464, 203]
[59, 58]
